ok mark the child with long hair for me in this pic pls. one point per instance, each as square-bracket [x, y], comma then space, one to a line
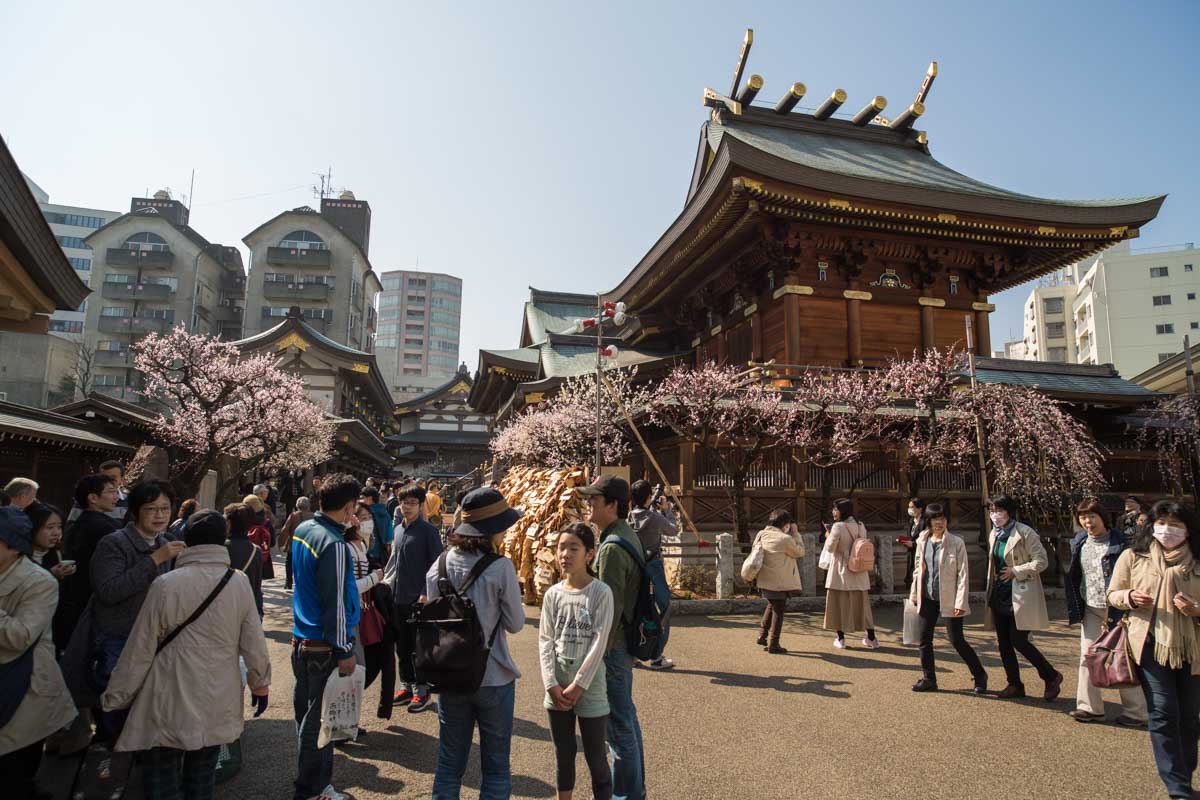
[575, 624]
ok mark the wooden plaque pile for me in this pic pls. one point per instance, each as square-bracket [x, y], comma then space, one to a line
[550, 503]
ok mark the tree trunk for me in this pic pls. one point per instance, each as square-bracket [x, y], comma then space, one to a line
[740, 522]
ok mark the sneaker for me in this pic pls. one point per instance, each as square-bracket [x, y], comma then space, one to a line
[420, 703]
[980, 687]
[840, 644]
[777, 650]
[330, 793]
[1079, 715]
[1012, 691]
[925, 685]
[1053, 687]
[871, 644]
[1130, 722]
[403, 697]
[660, 663]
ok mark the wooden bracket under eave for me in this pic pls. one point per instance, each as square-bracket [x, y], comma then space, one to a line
[933, 302]
[989, 307]
[791, 289]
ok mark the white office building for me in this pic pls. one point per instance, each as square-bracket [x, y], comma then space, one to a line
[71, 225]
[417, 340]
[1132, 308]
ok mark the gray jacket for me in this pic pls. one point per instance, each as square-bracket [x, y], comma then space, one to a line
[650, 527]
[122, 571]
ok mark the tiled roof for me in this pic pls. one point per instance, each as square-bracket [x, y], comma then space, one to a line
[568, 360]
[1052, 378]
[31, 424]
[893, 163]
[555, 312]
[420, 437]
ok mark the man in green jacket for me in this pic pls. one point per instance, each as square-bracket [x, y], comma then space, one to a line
[608, 502]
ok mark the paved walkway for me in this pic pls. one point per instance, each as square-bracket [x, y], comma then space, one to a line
[732, 721]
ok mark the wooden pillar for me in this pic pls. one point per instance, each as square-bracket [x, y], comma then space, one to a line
[722, 345]
[983, 333]
[927, 340]
[854, 326]
[756, 335]
[791, 324]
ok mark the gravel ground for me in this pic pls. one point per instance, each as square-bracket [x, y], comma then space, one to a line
[731, 721]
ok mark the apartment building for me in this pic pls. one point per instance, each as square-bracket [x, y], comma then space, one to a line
[420, 317]
[70, 226]
[1048, 330]
[316, 261]
[151, 271]
[1132, 307]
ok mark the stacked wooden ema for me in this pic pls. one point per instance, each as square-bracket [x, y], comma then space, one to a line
[550, 503]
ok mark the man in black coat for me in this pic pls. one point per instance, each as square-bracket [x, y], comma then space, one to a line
[97, 495]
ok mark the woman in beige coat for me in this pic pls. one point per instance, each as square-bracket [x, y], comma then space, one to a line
[847, 607]
[1016, 602]
[1158, 582]
[940, 588]
[779, 577]
[28, 597]
[185, 701]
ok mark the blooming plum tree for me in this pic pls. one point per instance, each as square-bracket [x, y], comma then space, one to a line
[222, 406]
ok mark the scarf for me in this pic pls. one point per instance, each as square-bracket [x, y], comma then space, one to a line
[1175, 641]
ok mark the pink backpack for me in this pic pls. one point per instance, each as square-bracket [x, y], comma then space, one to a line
[862, 554]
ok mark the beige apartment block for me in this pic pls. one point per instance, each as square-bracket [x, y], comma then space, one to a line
[315, 261]
[1049, 334]
[1132, 308]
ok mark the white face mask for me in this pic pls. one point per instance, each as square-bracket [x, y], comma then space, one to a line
[999, 518]
[1169, 536]
[914, 513]
[366, 526]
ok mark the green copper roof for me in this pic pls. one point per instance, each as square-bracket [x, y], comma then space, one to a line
[895, 163]
[555, 312]
[1065, 379]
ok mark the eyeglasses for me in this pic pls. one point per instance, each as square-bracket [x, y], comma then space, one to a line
[158, 509]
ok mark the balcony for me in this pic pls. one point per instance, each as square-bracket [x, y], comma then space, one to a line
[278, 290]
[230, 312]
[135, 324]
[297, 257]
[142, 259]
[150, 292]
[114, 358]
[234, 282]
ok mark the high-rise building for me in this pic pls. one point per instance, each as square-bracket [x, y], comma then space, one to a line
[315, 261]
[70, 226]
[151, 271]
[1132, 308]
[1049, 331]
[419, 321]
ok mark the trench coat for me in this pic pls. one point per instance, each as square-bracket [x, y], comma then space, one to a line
[28, 597]
[953, 575]
[1027, 557]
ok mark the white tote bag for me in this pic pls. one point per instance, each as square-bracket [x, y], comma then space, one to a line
[341, 705]
[753, 563]
[912, 624]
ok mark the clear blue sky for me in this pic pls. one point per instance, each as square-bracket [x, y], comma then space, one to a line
[550, 144]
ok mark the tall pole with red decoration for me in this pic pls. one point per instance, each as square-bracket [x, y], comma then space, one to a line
[615, 313]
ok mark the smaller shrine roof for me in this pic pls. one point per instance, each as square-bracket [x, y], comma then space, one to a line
[24, 423]
[1084, 382]
[553, 312]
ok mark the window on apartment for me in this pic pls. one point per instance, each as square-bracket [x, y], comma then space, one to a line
[278, 277]
[389, 328]
[414, 283]
[1162, 299]
[115, 311]
[1052, 305]
[318, 313]
[1159, 272]
[446, 287]
[412, 358]
[1056, 330]
[303, 240]
[391, 313]
[1191, 295]
[414, 342]
[72, 241]
[385, 341]
[79, 220]
[444, 317]
[391, 284]
[147, 241]
[66, 325]
[1057, 354]
[1164, 356]
[410, 327]
[410, 371]
[415, 313]
[81, 264]
[168, 280]
[1187, 267]
[1195, 326]
[119, 277]
[106, 380]
[158, 313]
[1167, 328]
[109, 346]
[274, 311]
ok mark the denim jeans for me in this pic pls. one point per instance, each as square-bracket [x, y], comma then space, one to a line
[624, 732]
[492, 708]
[1173, 699]
[662, 599]
[311, 671]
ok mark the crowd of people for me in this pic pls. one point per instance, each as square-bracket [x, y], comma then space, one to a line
[131, 626]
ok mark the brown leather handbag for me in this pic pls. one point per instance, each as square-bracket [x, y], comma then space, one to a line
[1110, 660]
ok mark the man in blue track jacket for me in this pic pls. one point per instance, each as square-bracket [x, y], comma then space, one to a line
[325, 606]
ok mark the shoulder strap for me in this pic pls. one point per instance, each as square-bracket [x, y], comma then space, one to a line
[170, 637]
[633, 552]
[253, 552]
[477, 570]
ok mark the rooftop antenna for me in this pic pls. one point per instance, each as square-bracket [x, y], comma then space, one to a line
[325, 188]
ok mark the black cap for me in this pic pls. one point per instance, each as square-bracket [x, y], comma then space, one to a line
[485, 513]
[610, 487]
[207, 525]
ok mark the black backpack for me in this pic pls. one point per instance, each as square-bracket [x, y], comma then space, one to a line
[646, 629]
[451, 652]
